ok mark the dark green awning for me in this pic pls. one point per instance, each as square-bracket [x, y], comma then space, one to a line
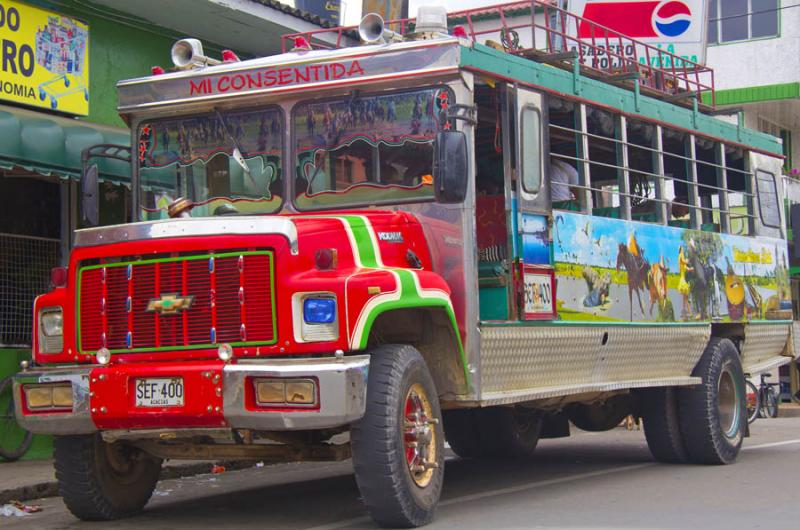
[51, 145]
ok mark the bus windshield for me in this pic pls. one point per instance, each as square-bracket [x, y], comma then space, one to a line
[224, 162]
[366, 150]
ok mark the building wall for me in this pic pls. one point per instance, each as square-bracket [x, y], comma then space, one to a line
[766, 61]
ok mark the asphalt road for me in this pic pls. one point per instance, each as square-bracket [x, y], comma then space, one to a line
[605, 480]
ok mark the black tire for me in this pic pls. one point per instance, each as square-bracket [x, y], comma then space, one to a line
[598, 417]
[100, 481]
[463, 433]
[770, 405]
[496, 432]
[754, 402]
[713, 414]
[394, 494]
[14, 440]
[662, 425]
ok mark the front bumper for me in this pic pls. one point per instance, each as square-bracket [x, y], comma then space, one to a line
[216, 396]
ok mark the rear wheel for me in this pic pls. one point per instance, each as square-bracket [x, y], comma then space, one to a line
[753, 401]
[497, 432]
[713, 414]
[398, 446]
[662, 425]
[100, 481]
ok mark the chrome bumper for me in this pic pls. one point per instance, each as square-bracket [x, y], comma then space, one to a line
[342, 392]
[79, 421]
[342, 385]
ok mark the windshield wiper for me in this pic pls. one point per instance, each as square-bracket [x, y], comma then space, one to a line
[237, 151]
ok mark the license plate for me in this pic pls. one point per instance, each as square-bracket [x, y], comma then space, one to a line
[159, 392]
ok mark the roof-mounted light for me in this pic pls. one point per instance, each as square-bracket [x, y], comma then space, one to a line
[431, 19]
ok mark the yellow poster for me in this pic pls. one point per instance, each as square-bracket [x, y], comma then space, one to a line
[45, 59]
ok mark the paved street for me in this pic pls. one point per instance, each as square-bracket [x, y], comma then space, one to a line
[605, 480]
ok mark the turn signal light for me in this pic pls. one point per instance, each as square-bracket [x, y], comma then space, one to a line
[58, 396]
[285, 392]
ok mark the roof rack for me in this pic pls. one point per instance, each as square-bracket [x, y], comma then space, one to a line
[543, 32]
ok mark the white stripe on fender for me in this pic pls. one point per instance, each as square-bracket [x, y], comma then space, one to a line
[370, 306]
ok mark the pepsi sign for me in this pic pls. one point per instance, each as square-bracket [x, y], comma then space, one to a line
[678, 26]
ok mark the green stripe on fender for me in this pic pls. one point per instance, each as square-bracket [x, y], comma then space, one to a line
[411, 294]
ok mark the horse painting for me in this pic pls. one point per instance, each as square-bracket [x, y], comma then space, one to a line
[637, 269]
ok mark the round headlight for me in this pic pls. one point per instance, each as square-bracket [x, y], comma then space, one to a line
[103, 356]
[225, 352]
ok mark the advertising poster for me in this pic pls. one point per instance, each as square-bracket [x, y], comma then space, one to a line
[328, 10]
[676, 26]
[45, 59]
[388, 9]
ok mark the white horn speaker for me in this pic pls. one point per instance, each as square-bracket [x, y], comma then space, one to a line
[372, 30]
[189, 52]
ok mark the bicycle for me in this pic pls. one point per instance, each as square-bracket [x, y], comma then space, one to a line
[753, 400]
[768, 398]
[14, 440]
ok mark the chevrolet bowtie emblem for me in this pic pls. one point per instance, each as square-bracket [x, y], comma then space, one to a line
[170, 304]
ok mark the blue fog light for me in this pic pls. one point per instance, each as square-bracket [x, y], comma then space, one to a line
[319, 310]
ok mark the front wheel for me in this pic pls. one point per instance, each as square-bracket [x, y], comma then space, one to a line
[100, 481]
[753, 401]
[398, 446]
[713, 414]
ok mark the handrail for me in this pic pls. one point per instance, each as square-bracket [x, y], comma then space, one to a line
[599, 50]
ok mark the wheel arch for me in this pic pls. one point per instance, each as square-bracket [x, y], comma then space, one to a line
[432, 331]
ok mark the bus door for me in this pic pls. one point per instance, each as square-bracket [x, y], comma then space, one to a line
[534, 277]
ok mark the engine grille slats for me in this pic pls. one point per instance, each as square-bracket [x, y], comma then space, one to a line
[140, 305]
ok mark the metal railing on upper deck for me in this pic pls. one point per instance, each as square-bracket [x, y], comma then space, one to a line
[544, 32]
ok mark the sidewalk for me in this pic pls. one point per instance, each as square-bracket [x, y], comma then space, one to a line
[34, 479]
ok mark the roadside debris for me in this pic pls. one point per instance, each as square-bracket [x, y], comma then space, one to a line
[216, 469]
[18, 509]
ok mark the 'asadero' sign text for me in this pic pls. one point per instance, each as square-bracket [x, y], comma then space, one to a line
[275, 77]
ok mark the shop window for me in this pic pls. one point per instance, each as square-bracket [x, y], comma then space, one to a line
[739, 20]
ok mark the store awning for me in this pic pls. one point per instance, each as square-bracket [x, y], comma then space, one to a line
[51, 145]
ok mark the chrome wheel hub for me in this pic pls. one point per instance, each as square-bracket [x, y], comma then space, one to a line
[419, 436]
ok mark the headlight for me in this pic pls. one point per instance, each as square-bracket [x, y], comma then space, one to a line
[48, 396]
[51, 330]
[315, 318]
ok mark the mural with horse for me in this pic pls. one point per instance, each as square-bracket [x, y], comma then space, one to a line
[615, 270]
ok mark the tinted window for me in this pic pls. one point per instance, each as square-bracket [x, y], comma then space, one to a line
[531, 149]
[734, 20]
[765, 18]
[768, 199]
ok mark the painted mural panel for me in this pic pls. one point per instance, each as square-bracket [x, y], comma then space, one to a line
[615, 270]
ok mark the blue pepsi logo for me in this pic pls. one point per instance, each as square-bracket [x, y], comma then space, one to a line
[672, 18]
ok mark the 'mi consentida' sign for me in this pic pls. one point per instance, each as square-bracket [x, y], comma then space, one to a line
[45, 59]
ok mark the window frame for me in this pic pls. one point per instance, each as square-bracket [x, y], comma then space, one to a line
[292, 148]
[540, 154]
[717, 19]
[139, 191]
[760, 174]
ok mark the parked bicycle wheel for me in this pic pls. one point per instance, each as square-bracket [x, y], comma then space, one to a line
[14, 440]
[769, 404]
[753, 401]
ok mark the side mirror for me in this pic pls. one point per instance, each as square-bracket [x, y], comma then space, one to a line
[450, 167]
[89, 195]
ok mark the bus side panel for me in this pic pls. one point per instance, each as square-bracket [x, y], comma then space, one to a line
[612, 270]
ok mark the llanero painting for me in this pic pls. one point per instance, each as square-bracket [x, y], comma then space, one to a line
[613, 270]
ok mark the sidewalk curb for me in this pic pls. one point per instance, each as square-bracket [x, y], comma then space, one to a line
[50, 488]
